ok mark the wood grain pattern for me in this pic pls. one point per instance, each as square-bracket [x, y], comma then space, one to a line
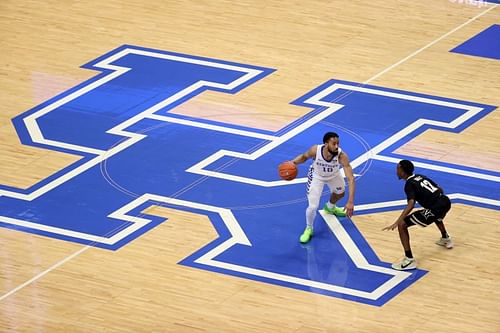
[141, 288]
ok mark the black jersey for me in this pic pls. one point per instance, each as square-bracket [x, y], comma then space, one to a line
[423, 190]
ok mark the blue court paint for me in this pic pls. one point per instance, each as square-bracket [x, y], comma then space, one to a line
[136, 154]
[485, 44]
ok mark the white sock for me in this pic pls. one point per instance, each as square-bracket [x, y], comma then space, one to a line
[330, 205]
[310, 215]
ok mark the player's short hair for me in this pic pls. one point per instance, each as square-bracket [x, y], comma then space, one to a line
[329, 135]
[407, 167]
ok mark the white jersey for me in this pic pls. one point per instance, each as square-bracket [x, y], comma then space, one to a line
[323, 169]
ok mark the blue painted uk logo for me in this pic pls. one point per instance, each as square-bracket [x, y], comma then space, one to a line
[135, 153]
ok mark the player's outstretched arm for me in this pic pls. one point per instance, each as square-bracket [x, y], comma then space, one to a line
[344, 160]
[401, 218]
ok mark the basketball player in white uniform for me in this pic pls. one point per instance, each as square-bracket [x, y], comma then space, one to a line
[325, 169]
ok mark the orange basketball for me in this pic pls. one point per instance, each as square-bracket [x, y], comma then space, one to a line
[288, 170]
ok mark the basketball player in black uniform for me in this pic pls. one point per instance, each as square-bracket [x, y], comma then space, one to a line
[430, 196]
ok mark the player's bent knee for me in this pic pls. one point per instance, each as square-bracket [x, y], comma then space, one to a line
[408, 222]
[339, 195]
[312, 208]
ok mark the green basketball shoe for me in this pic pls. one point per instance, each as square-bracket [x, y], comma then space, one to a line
[306, 235]
[337, 211]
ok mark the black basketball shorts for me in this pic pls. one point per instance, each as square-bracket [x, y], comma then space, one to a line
[436, 213]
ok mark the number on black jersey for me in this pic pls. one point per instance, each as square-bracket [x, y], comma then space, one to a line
[428, 186]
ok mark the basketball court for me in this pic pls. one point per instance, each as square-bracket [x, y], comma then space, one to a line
[139, 189]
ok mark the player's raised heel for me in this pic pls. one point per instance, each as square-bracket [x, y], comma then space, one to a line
[446, 242]
[337, 211]
[306, 235]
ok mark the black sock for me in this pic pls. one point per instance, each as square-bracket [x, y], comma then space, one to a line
[444, 234]
[409, 254]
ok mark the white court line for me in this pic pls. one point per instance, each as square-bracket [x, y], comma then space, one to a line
[367, 81]
[45, 272]
[372, 153]
[445, 169]
[344, 238]
[37, 136]
[429, 45]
